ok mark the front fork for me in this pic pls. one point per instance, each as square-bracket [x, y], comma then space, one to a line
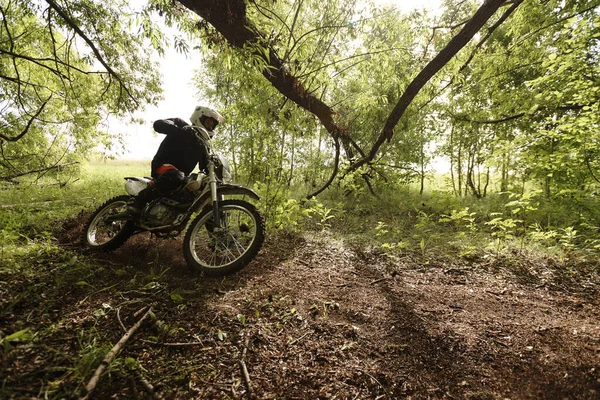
[212, 181]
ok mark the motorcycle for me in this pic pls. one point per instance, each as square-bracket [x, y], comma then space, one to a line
[225, 235]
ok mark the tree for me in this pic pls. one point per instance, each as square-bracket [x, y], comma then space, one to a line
[65, 66]
[532, 93]
[235, 22]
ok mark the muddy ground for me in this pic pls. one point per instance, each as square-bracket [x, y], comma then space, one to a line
[313, 317]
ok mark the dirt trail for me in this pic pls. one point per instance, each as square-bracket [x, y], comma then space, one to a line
[314, 317]
[370, 328]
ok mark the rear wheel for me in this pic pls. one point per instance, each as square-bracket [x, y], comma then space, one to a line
[221, 251]
[100, 234]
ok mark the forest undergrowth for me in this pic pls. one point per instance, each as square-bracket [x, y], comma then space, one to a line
[353, 296]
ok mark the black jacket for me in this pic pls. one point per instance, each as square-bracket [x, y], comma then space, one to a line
[179, 148]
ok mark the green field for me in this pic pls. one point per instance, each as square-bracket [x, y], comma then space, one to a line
[397, 221]
[32, 212]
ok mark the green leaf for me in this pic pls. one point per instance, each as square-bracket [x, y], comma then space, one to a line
[24, 335]
[176, 297]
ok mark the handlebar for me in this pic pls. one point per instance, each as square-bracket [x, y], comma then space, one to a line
[203, 136]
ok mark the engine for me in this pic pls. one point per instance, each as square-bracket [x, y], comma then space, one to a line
[166, 210]
[159, 214]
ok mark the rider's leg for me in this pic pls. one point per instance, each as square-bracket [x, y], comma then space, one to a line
[167, 180]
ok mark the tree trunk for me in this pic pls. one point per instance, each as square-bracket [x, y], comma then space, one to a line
[422, 189]
[459, 169]
[471, 177]
[504, 174]
[289, 183]
[487, 181]
[451, 153]
[281, 156]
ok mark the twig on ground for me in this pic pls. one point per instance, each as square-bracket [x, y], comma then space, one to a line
[119, 318]
[146, 385]
[172, 344]
[93, 382]
[244, 369]
[500, 343]
[380, 280]
[374, 379]
[298, 339]
[141, 310]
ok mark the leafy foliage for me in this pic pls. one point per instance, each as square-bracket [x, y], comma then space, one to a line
[65, 66]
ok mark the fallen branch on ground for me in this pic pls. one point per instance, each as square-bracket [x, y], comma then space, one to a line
[380, 280]
[182, 344]
[148, 387]
[93, 382]
[298, 339]
[245, 373]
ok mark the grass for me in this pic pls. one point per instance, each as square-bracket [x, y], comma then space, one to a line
[398, 221]
[437, 223]
[31, 211]
[41, 204]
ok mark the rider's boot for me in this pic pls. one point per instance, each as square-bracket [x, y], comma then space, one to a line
[133, 208]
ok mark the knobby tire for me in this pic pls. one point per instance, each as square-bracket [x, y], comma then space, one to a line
[119, 238]
[205, 219]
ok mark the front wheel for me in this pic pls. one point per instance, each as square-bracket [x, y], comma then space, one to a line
[100, 234]
[220, 251]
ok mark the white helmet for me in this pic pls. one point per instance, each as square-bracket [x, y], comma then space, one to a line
[200, 112]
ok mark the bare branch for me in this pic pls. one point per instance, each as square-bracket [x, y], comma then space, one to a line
[36, 61]
[349, 58]
[36, 171]
[18, 81]
[14, 139]
[333, 174]
[558, 21]
[12, 47]
[491, 30]
[569, 107]
[489, 121]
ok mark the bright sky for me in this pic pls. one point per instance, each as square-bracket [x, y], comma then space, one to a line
[180, 97]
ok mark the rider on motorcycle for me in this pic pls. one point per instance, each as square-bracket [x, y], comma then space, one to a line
[177, 155]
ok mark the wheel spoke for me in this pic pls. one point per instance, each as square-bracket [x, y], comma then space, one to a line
[219, 247]
[238, 245]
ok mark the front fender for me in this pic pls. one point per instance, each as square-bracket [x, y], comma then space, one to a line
[226, 189]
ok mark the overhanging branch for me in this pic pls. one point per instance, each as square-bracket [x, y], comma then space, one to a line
[229, 18]
[19, 136]
[69, 21]
[479, 19]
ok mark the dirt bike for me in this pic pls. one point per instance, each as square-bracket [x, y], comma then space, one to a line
[223, 238]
